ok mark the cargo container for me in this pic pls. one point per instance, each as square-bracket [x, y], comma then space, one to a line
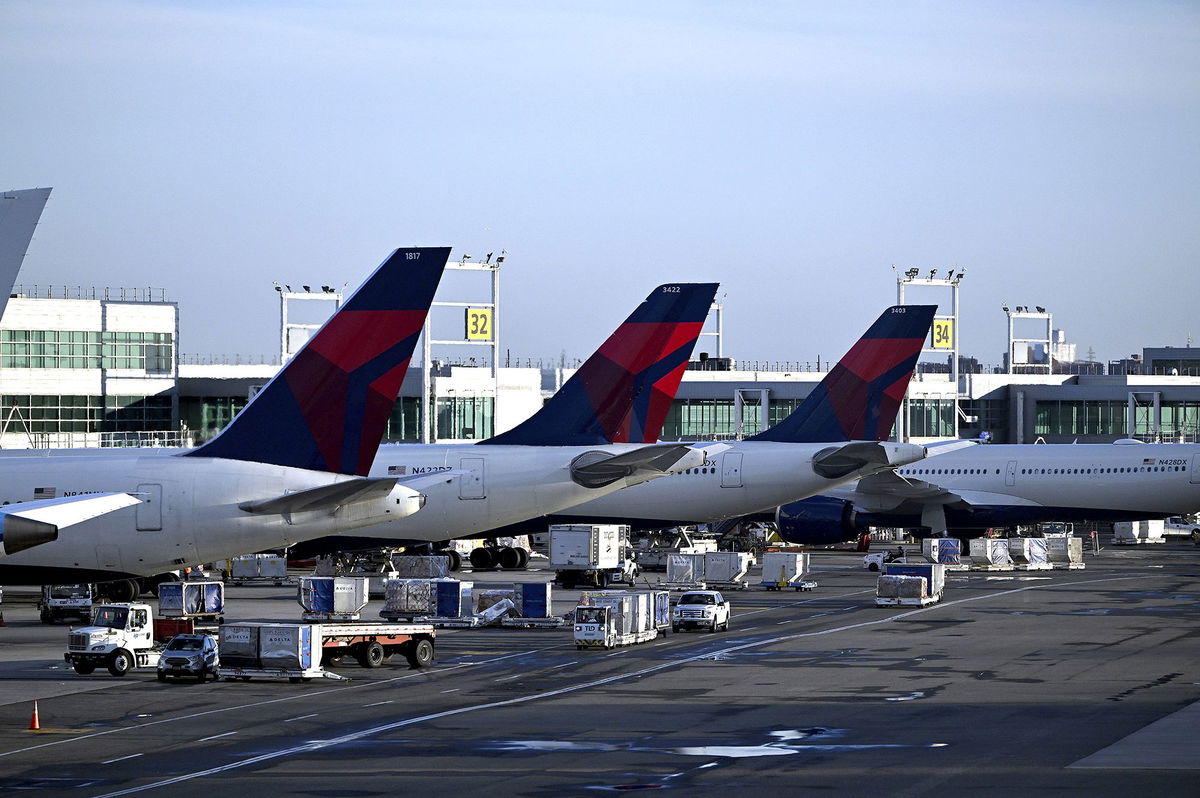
[1029, 554]
[1132, 533]
[1065, 552]
[783, 569]
[258, 568]
[196, 600]
[990, 554]
[607, 619]
[328, 598]
[905, 590]
[433, 598]
[933, 574]
[947, 551]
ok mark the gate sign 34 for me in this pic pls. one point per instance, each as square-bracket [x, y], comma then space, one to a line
[943, 333]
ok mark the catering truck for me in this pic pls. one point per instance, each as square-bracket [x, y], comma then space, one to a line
[595, 554]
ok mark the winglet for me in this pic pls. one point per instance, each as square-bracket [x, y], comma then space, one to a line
[623, 392]
[860, 396]
[327, 408]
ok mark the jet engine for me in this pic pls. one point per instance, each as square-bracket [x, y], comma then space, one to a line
[818, 521]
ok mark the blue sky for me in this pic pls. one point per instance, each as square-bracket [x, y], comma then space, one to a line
[793, 151]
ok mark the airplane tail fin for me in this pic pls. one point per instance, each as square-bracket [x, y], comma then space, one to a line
[623, 392]
[860, 396]
[327, 408]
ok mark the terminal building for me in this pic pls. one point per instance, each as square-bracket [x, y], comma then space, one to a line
[85, 367]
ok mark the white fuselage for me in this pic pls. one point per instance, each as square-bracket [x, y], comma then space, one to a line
[750, 477]
[192, 514]
[1100, 478]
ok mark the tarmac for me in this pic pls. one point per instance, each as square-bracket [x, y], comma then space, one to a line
[1016, 683]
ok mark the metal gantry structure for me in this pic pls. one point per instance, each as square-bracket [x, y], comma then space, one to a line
[943, 338]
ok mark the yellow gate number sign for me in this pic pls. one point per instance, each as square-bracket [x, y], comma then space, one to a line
[943, 333]
[479, 324]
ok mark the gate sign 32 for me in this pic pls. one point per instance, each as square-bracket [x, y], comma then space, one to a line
[479, 324]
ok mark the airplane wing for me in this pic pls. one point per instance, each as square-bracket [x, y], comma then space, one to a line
[339, 494]
[28, 524]
[887, 490]
[599, 469]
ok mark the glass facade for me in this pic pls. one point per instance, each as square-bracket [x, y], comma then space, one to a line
[930, 418]
[50, 413]
[1080, 418]
[991, 415]
[465, 417]
[404, 424]
[76, 349]
[708, 419]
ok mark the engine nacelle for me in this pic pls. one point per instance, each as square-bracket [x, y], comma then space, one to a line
[818, 521]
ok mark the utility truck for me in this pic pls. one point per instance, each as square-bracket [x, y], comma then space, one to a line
[120, 638]
[65, 601]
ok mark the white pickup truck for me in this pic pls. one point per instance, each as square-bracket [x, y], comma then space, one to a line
[701, 609]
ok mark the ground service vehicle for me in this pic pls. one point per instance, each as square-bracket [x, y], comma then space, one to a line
[188, 655]
[609, 619]
[698, 609]
[65, 601]
[299, 651]
[120, 638]
[597, 554]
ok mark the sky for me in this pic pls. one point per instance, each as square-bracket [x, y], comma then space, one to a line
[792, 151]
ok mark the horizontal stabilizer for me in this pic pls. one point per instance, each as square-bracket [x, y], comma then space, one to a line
[340, 494]
[598, 469]
[836, 462]
[29, 524]
[324, 497]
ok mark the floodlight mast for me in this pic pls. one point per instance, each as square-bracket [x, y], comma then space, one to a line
[944, 340]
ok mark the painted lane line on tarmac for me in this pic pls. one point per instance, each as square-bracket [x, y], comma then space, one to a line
[216, 737]
[318, 745]
[376, 704]
[565, 664]
[302, 717]
[121, 759]
[254, 704]
[508, 678]
[452, 690]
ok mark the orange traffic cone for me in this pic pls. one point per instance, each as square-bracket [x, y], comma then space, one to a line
[34, 725]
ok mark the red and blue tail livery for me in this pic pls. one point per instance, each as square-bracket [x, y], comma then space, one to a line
[327, 408]
[859, 398]
[623, 392]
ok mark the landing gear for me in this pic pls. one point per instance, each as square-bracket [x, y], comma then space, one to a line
[510, 558]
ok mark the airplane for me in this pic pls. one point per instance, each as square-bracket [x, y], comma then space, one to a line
[835, 436]
[297, 462]
[618, 398]
[290, 465]
[1003, 485]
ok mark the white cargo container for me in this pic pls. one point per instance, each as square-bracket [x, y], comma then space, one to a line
[727, 568]
[591, 553]
[990, 554]
[1132, 533]
[1029, 554]
[262, 568]
[1065, 552]
[782, 569]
